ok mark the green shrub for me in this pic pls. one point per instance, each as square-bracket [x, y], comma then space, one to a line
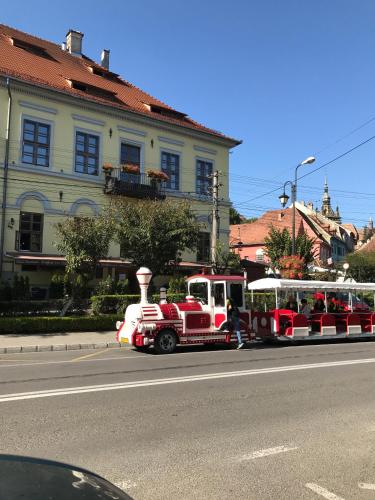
[171, 297]
[116, 304]
[177, 284]
[56, 287]
[261, 302]
[5, 291]
[108, 286]
[30, 307]
[26, 325]
[21, 287]
[112, 304]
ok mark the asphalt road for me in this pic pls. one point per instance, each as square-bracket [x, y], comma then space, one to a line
[291, 422]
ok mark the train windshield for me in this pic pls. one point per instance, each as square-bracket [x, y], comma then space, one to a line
[199, 291]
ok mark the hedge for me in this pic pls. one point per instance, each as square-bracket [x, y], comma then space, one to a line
[32, 307]
[116, 304]
[37, 307]
[48, 324]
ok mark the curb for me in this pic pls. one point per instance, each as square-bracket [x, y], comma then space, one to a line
[60, 347]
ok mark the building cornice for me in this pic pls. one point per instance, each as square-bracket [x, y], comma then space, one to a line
[46, 93]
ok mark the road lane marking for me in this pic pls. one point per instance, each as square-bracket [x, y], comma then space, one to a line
[319, 490]
[267, 452]
[37, 363]
[88, 355]
[366, 486]
[174, 380]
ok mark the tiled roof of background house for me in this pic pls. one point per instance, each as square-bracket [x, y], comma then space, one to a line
[254, 233]
[369, 246]
[43, 63]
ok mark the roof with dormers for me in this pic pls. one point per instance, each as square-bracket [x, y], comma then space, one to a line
[44, 63]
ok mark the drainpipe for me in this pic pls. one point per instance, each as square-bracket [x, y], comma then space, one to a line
[5, 179]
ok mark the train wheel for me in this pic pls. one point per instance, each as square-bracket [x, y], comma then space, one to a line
[165, 342]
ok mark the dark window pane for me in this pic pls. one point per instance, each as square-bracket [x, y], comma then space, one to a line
[87, 153]
[30, 232]
[203, 171]
[35, 146]
[170, 164]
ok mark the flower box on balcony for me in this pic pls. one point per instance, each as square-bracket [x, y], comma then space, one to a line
[158, 175]
[107, 168]
[130, 168]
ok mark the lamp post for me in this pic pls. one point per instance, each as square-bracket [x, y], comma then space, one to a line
[284, 198]
[308, 161]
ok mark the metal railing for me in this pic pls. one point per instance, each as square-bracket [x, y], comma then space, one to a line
[134, 185]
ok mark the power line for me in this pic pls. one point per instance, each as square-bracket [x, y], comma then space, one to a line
[316, 169]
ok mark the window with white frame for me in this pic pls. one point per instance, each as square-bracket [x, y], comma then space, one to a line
[86, 153]
[170, 164]
[203, 173]
[35, 143]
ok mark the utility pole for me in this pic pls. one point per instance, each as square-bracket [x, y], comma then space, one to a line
[215, 217]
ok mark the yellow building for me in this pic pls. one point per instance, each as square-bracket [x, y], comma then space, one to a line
[63, 117]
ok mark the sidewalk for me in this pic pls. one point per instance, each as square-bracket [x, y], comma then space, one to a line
[15, 343]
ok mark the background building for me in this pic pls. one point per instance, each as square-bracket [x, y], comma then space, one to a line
[64, 117]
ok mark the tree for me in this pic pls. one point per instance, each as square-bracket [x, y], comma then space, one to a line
[155, 233]
[362, 266]
[278, 244]
[83, 241]
[226, 260]
[234, 216]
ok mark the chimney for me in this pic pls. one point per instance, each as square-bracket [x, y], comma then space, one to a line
[104, 60]
[74, 42]
[63, 46]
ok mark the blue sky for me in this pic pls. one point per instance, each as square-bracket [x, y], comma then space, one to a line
[291, 78]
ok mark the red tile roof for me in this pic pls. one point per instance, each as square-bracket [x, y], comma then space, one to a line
[369, 246]
[46, 64]
[254, 233]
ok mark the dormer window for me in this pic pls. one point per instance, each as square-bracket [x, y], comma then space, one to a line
[171, 113]
[93, 90]
[36, 50]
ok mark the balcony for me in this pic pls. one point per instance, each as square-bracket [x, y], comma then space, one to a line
[133, 185]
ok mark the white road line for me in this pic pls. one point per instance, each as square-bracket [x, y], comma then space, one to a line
[266, 452]
[69, 361]
[319, 490]
[174, 380]
[366, 486]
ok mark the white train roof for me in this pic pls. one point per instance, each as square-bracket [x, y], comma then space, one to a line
[328, 286]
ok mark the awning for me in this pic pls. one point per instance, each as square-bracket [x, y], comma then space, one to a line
[58, 260]
[327, 286]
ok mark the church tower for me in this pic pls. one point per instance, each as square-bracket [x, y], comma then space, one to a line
[327, 210]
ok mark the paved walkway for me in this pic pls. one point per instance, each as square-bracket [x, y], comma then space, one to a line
[14, 343]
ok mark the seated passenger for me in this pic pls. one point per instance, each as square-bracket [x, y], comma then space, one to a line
[319, 306]
[305, 308]
[291, 304]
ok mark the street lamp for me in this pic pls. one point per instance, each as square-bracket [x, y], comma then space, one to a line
[284, 197]
[309, 160]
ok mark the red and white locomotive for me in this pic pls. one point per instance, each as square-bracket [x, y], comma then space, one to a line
[201, 319]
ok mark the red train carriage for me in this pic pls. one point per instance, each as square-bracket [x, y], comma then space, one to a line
[334, 320]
